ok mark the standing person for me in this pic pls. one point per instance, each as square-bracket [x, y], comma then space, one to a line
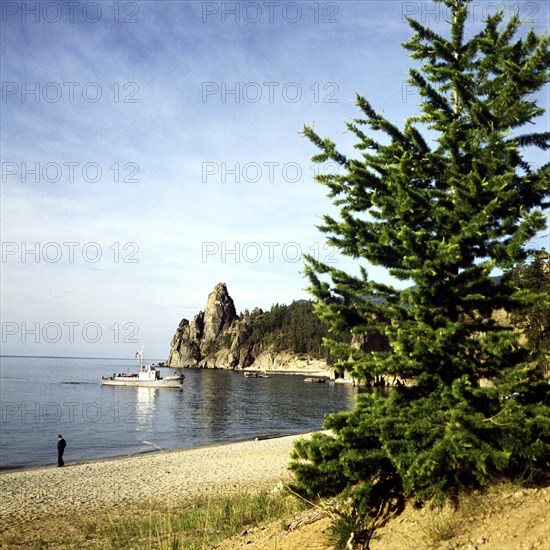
[61, 444]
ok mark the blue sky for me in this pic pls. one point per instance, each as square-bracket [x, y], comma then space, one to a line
[151, 150]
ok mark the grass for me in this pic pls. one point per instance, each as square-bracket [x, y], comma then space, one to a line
[196, 523]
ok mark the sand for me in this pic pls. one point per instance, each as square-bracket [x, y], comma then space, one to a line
[33, 493]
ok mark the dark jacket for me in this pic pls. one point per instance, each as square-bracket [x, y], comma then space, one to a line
[61, 443]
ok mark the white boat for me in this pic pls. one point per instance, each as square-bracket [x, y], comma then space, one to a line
[148, 376]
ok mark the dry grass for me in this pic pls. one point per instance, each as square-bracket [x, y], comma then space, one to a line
[447, 522]
[194, 523]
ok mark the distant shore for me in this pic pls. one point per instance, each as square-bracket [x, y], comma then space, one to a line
[167, 476]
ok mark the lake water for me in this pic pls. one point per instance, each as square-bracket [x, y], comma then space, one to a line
[43, 396]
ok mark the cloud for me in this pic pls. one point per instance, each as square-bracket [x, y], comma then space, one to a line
[174, 141]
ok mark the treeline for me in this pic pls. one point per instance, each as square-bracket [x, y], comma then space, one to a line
[298, 329]
[293, 327]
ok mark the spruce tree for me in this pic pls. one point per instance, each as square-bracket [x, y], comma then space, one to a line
[533, 280]
[441, 213]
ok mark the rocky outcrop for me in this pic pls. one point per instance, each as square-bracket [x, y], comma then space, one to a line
[219, 313]
[217, 337]
[185, 347]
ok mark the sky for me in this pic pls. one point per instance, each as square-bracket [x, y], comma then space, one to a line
[152, 149]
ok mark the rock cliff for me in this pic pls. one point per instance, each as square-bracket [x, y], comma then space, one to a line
[217, 337]
[219, 313]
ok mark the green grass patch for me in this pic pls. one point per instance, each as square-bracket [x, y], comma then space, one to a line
[191, 524]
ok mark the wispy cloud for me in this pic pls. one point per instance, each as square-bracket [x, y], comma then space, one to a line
[171, 146]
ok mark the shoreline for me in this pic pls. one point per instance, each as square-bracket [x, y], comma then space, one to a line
[35, 493]
[8, 469]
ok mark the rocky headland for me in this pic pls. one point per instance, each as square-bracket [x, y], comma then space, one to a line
[218, 337]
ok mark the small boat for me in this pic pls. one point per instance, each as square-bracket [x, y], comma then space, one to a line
[249, 374]
[148, 376]
[315, 380]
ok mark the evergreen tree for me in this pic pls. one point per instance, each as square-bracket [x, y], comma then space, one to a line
[293, 327]
[533, 281]
[443, 213]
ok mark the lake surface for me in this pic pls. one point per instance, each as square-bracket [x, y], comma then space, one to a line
[43, 396]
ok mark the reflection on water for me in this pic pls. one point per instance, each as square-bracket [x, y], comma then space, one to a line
[145, 406]
[223, 405]
[213, 407]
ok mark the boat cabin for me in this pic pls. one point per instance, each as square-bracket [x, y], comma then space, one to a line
[148, 372]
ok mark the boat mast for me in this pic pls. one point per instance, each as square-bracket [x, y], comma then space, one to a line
[141, 357]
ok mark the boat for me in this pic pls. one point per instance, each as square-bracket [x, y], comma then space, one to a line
[148, 376]
[250, 374]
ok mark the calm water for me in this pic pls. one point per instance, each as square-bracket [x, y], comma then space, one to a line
[40, 397]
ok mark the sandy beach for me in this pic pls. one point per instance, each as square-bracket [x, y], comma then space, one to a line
[29, 494]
